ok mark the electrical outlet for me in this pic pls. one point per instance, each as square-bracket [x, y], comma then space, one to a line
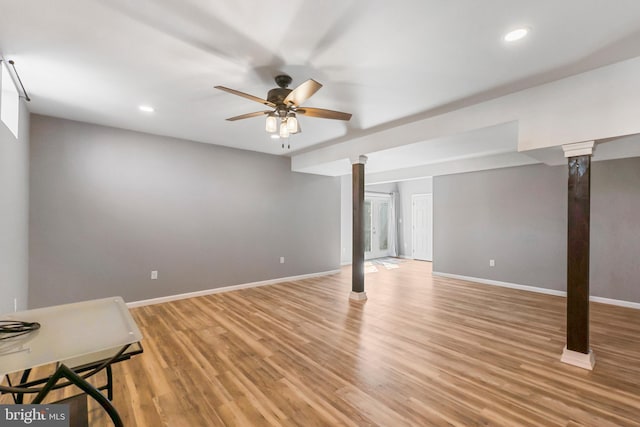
[154, 274]
[281, 260]
[492, 263]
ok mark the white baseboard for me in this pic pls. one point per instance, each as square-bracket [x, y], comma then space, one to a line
[503, 284]
[169, 298]
[620, 303]
[581, 360]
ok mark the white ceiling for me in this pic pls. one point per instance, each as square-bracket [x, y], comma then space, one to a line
[388, 63]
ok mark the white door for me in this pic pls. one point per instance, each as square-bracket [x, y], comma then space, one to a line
[422, 230]
[376, 226]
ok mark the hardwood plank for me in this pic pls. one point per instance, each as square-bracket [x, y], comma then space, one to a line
[420, 351]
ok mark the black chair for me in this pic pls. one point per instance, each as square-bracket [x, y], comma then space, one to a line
[64, 372]
[89, 365]
[95, 360]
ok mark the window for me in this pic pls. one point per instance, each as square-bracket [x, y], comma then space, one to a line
[9, 101]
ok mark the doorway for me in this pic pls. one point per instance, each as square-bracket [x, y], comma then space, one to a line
[376, 226]
[422, 226]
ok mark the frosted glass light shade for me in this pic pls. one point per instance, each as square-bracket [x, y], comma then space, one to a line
[292, 124]
[284, 129]
[272, 124]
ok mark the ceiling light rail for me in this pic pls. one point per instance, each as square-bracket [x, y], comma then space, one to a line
[15, 77]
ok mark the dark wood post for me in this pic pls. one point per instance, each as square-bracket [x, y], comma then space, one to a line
[357, 278]
[579, 196]
[578, 254]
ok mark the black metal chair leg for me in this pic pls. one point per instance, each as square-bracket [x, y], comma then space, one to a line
[25, 377]
[64, 372]
[109, 383]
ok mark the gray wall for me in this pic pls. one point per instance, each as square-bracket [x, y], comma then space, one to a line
[109, 205]
[14, 214]
[615, 229]
[518, 216]
[346, 219]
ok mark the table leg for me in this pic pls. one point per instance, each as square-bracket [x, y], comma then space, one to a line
[64, 372]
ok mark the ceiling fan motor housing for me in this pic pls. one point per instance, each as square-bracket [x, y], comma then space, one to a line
[278, 95]
[283, 80]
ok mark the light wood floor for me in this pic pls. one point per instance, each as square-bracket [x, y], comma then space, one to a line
[422, 351]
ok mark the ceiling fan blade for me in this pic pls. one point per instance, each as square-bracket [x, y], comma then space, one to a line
[248, 115]
[302, 92]
[323, 114]
[246, 95]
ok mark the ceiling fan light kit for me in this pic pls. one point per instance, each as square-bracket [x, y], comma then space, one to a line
[272, 123]
[284, 129]
[285, 104]
[292, 123]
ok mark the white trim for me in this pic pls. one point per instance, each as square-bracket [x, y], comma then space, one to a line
[169, 298]
[617, 302]
[374, 194]
[581, 360]
[503, 284]
[343, 263]
[358, 159]
[358, 296]
[578, 149]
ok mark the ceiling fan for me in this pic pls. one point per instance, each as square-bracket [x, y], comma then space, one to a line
[285, 105]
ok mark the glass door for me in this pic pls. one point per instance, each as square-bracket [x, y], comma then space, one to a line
[376, 226]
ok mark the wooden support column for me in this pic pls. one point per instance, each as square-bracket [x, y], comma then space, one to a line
[357, 275]
[577, 351]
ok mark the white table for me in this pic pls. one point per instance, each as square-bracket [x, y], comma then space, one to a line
[68, 331]
[80, 331]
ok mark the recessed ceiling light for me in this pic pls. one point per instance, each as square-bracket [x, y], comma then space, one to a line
[516, 34]
[146, 108]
